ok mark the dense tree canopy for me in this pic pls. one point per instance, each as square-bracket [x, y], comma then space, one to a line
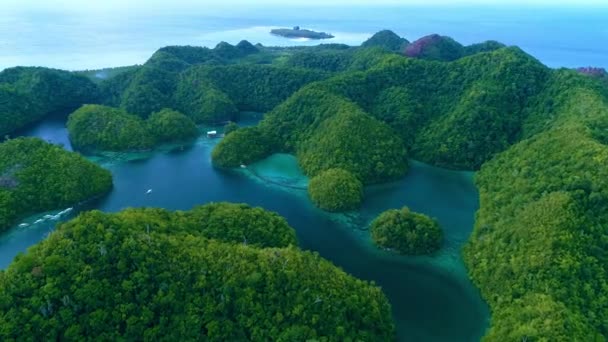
[242, 147]
[15, 109]
[355, 142]
[407, 232]
[241, 223]
[325, 131]
[202, 101]
[154, 275]
[95, 127]
[149, 91]
[101, 128]
[168, 126]
[36, 176]
[388, 40]
[336, 190]
[538, 248]
[253, 87]
[27, 94]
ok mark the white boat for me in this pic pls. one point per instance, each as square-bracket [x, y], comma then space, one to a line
[243, 166]
[211, 134]
[149, 191]
[23, 225]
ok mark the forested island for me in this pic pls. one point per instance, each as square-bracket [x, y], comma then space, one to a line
[36, 176]
[297, 32]
[186, 276]
[407, 232]
[102, 128]
[352, 116]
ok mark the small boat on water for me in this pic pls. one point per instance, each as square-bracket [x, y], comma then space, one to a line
[23, 225]
[149, 191]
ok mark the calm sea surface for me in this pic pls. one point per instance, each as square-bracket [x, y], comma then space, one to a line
[566, 37]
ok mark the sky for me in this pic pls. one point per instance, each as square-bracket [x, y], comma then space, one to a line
[122, 4]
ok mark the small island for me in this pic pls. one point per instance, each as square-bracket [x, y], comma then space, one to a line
[336, 190]
[407, 232]
[296, 32]
[102, 128]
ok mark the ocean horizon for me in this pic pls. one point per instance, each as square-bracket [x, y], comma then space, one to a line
[77, 40]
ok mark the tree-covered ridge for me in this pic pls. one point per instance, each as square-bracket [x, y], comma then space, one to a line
[388, 40]
[324, 131]
[538, 248]
[154, 275]
[168, 125]
[241, 223]
[443, 48]
[455, 115]
[36, 176]
[206, 93]
[338, 59]
[102, 128]
[27, 94]
[252, 87]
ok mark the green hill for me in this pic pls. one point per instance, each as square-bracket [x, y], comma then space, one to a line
[198, 275]
[36, 176]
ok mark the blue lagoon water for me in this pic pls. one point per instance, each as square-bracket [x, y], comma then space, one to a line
[432, 298]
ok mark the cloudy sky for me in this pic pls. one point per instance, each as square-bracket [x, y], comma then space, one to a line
[112, 4]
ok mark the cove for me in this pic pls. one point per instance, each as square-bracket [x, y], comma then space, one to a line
[431, 297]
